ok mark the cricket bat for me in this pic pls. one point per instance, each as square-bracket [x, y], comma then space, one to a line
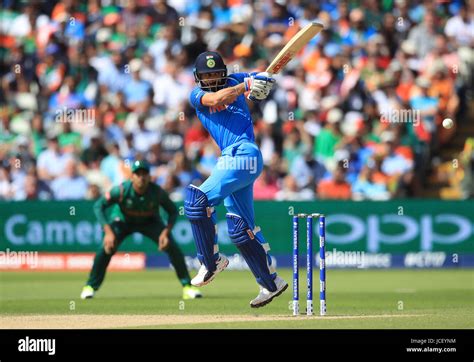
[296, 43]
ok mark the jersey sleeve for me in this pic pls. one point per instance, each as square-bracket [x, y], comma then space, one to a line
[195, 97]
[238, 78]
[169, 207]
[114, 196]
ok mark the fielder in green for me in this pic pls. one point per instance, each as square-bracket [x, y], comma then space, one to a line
[139, 203]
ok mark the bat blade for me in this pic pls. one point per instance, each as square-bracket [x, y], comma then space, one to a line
[296, 43]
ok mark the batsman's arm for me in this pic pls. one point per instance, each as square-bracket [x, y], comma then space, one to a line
[223, 96]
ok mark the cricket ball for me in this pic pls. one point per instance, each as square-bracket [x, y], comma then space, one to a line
[448, 123]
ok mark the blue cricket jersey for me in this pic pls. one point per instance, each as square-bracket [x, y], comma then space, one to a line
[227, 124]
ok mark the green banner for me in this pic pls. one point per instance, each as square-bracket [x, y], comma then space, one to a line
[397, 226]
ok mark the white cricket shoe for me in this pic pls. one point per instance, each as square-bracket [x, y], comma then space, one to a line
[204, 276]
[265, 296]
[87, 292]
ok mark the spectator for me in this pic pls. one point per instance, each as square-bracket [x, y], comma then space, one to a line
[335, 187]
[424, 35]
[162, 13]
[395, 165]
[170, 88]
[144, 137]
[329, 137]
[93, 192]
[307, 171]
[52, 161]
[6, 190]
[195, 138]
[442, 88]
[401, 12]
[148, 72]
[69, 186]
[21, 155]
[112, 166]
[95, 152]
[428, 107]
[137, 92]
[265, 141]
[127, 151]
[367, 188]
[460, 28]
[69, 141]
[183, 169]
[112, 76]
[393, 162]
[155, 156]
[167, 40]
[34, 189]
[359, 32]
[130, 64]
[174, 188]
[378, 175]
[38, 135]
[293, 147]
[265, 187]
[50, 71]
[94, 175]
[172, 140]
[131, 17]
[277, 22]
[208, 159]
[291, 192]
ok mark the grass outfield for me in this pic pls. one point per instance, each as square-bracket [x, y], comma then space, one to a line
[152, 299]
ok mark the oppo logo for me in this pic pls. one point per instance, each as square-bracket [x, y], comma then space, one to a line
[373, 229]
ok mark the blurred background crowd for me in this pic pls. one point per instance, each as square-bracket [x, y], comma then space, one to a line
[89, 86]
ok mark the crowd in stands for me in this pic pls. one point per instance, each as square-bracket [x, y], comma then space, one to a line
[89, 86]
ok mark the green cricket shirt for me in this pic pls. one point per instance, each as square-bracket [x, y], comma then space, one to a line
[134, 208]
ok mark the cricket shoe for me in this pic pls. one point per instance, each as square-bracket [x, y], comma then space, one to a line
[205, 276]
[265, 296]
[87, 292]
[191, 292]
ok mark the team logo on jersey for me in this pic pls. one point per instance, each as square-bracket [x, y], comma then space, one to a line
[128, 202]
[211, 63]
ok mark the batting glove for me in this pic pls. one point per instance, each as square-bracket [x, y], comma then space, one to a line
[259, 84]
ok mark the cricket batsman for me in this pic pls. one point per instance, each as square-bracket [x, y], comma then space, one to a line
[221, 106]
[138, 210]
